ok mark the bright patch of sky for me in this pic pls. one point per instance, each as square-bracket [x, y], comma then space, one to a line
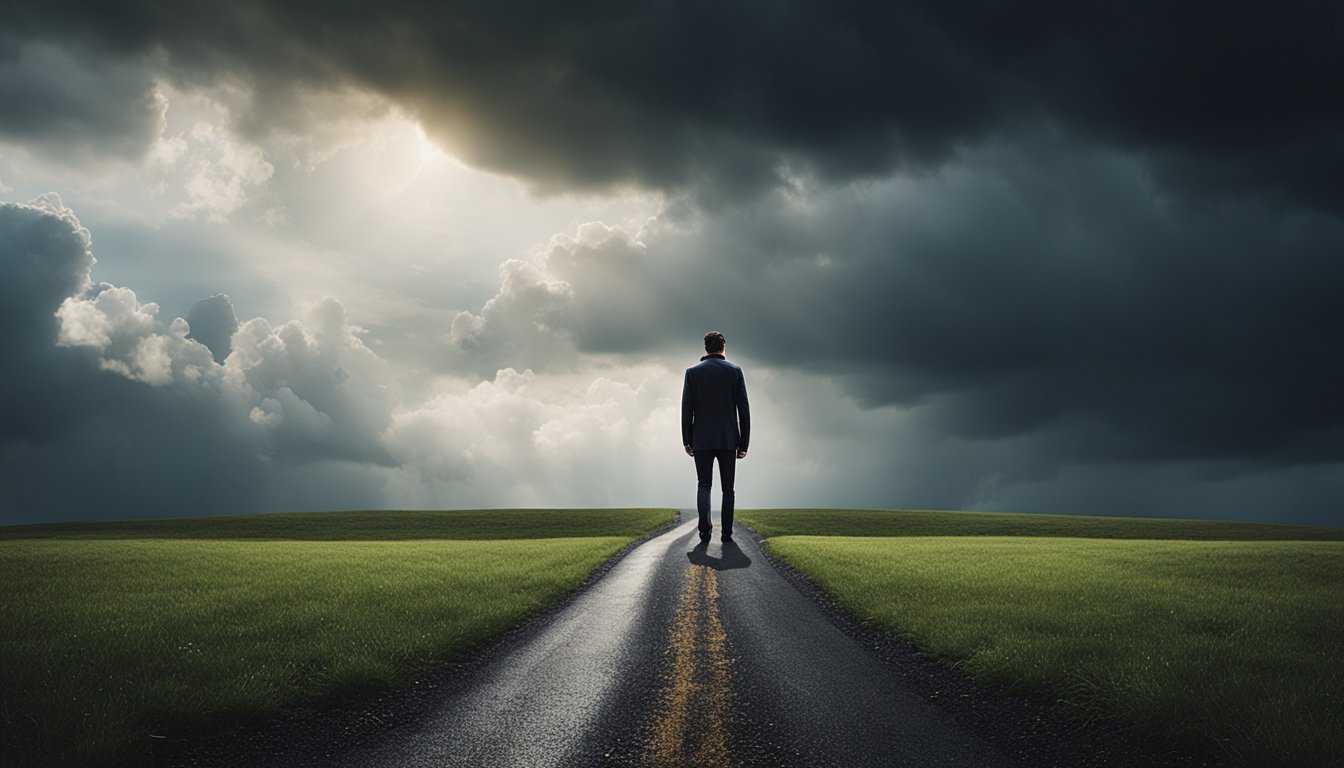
[365, 209]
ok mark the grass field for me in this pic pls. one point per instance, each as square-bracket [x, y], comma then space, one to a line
[381, 525]
[118, 633]
[907, 522]
[1234, 640]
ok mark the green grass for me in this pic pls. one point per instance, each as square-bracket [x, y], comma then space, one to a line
[1235, 641]
[911, 522]
[376, 525]
[119, 632]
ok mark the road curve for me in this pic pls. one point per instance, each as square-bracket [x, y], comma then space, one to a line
[679, 655]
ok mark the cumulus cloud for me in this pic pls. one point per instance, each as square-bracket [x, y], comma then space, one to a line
[314, 384]
[547, 311]
[216, 172]
[126, 336]
[526, 320]
[110, 411]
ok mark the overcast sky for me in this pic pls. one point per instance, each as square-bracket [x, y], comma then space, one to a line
[1071, 258]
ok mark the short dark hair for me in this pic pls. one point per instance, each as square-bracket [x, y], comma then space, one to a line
[715, 342]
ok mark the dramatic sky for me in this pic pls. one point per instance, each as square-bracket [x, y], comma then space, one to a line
[1046, 257]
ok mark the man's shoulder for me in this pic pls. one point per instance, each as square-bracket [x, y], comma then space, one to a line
[713, 363]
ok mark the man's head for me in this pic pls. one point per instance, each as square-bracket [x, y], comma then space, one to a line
[715, 343]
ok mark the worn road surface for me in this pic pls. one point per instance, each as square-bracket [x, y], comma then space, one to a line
[681, 654]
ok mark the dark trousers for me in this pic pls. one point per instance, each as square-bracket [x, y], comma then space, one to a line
[704, 473]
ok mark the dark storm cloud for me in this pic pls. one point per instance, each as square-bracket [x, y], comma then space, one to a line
[73, 106]
[713, 94]
[1027, 289]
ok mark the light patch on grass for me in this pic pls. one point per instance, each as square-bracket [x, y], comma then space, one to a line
[1239, 642]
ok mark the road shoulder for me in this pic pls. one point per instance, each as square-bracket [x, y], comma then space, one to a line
[1028, 730]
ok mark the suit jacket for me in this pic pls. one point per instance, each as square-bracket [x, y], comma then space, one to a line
[714, 410]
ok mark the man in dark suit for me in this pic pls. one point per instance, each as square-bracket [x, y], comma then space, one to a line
[715, 424]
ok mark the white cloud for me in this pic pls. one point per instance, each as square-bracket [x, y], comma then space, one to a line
[543, 309]
[216, 171]
[537, 441]
[314, 383]
[311, 386]
[526, 323]
[130, 340]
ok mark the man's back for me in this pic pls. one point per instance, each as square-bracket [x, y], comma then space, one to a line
[713, 407]
[715, 414]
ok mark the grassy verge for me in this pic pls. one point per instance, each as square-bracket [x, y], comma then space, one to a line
[918, 522]
[1238, 642]
[377, 525]
[118, 633]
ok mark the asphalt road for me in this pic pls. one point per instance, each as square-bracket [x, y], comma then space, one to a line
[679, 655]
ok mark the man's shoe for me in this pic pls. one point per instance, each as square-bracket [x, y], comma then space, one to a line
[705, 537]
[727, 538]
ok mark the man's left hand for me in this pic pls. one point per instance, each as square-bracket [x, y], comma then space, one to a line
[741, 454]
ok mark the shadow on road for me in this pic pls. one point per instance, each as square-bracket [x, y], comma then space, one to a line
[732, 557]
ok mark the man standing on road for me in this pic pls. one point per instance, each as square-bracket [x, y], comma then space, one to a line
[715, 424]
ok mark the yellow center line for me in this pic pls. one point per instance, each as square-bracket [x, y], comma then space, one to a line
[695, 697]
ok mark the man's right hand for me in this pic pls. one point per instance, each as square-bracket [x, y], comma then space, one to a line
[689, 452]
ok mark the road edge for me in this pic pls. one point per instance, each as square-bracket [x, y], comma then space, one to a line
[1024, 727]
[357, 715]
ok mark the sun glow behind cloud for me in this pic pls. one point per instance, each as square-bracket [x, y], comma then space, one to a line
[369, 219]
[351, 199]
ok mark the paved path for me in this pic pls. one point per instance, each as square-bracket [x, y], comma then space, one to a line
[679, 655]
